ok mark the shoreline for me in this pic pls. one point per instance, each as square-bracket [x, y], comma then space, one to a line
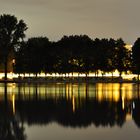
[69, 80]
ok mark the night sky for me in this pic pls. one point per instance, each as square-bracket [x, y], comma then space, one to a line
[96, 18]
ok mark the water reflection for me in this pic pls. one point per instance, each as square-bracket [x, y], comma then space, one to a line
[10, 127]
[68, 104]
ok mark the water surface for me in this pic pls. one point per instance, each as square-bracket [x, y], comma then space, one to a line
[69, 111]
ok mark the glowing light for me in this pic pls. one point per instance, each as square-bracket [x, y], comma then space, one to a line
[67, 91]
[116, 96]
[13, 103]
[12, 75]
[112, 92]
[133, 105]
[73, 104]
[123, 105]
[129, 47]
[13, 61]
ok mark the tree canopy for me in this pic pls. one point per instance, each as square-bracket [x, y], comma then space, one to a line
[75, 53]
[11, 35]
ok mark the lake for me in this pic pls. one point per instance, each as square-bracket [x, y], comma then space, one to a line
[69, 111]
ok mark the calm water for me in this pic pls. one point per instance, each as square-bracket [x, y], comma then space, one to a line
[69, 111]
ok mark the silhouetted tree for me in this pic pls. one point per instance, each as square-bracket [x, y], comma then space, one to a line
[36, 48]
[51, 59]
[86, 54]
[74, 53]
[122, 57]
[21, 60]
[103, 52]
[136, 57]
[33, 56]
[11, 34]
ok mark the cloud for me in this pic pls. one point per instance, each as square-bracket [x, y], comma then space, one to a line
[97, 18]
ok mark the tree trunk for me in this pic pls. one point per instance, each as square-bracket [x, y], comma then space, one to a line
[72, 77]
[102, 75]
[112, 76]
[120, 77]
[120, 74]
[95, 74]
[78, 74]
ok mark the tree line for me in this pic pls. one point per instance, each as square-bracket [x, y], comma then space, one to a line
[75, 53]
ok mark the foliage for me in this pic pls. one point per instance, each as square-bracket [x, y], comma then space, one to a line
[73, 54]
[11, 35]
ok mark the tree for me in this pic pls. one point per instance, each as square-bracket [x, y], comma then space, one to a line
[136, 57]
[11, 35]
[122, 57]
[21, 59]
[33, 55]
[37, 49]
[100, 54]
[74, 54]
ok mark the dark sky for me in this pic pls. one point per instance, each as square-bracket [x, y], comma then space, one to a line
[96, 18]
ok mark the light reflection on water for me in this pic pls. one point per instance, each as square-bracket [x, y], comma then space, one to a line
[84, 107]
